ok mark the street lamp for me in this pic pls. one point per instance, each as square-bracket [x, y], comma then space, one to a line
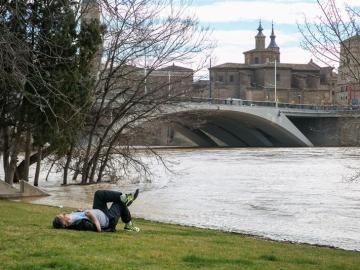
[210, 94]
[275, 94]
[169, 82]
[145, 72]
[275, 82]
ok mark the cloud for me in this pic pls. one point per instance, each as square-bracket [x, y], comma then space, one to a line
[245, 38]
[282, 12]
[232, 22]
[232, 11]
[295, 55]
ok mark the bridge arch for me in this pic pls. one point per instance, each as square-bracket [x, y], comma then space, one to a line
[209, 125]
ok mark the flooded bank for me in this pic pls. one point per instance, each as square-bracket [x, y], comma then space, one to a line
[306, 195]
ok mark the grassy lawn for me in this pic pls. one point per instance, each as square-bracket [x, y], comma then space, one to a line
[27, 241]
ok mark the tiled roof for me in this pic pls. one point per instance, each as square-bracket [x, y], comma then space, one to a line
[267, 65]
[176, 69]
[230, 65]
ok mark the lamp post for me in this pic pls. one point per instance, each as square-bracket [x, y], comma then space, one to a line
[169, 82]
[210, 94]
[145, 72]
[275, 94]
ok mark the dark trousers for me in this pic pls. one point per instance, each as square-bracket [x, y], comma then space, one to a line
[117, 209]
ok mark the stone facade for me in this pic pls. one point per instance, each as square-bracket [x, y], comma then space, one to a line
[169, 81]
[255, 80]
[175, 80]
[348, 90]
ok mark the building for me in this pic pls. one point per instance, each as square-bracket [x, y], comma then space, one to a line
[255, 79]
[177, 81]
[166, 82]
[348, 91]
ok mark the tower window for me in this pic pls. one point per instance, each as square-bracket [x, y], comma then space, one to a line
[231, 78]
[257, 60]
[278, 77]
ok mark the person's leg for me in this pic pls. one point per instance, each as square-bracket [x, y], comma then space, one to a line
[101, 197]
[119, 210]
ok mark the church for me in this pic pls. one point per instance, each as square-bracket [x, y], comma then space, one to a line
[255, 79]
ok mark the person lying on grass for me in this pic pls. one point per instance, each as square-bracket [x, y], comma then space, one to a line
[100, 217]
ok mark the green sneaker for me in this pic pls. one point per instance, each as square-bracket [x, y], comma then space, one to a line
[131, 228]
[131, 197]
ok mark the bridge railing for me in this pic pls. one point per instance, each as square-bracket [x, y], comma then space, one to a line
[242, 102]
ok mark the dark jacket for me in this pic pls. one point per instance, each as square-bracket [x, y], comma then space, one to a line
[88, 225]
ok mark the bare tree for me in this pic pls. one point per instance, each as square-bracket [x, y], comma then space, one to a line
[89, 128]
[141, 37]
[333, 38]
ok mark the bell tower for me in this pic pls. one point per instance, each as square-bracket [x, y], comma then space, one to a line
[273, 44]
[262, 55]
[260, 38]
[90, 11]
[273, 47]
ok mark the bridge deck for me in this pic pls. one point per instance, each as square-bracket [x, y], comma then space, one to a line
[295, 110]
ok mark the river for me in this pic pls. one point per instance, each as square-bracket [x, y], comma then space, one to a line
[308, 195]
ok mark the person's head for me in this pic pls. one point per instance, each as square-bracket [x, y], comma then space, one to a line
[61, 221]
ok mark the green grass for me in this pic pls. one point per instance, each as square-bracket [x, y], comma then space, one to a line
[28, 242]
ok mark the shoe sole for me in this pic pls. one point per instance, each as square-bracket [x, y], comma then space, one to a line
[127, 230]
[136, 194]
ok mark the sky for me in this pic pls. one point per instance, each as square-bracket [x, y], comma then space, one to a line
[235, 22]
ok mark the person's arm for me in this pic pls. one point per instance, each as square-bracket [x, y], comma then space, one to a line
[94, 219]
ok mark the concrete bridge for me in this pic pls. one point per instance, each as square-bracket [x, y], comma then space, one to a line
[241, 123]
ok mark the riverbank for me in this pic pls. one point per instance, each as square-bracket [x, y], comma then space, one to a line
[27, 241]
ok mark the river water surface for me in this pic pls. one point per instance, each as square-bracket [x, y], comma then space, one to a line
[308, 195]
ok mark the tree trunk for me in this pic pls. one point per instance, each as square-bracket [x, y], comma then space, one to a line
[9, 178]
[85, 169]
[77, 170]
[102, 168]
[38, 163]
[27, 157]
[107, 155]
[67, 164]
[94, 166]
[6, 150]
[84, 173]
[10, 171]
[33, 158]
[47, 175]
